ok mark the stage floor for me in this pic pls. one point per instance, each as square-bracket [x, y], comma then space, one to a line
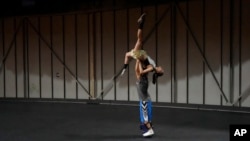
[48, 121]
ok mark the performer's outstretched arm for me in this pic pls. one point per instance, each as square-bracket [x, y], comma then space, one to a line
[147, 70]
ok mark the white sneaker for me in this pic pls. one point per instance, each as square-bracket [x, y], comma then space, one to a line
[149, 133]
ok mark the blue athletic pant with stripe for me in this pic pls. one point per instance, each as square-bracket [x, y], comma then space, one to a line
[145, 100]
[145, 111]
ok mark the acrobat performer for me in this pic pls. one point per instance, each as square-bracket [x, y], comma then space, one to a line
[137, 51]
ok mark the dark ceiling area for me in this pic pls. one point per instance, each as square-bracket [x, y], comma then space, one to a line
[31, 7]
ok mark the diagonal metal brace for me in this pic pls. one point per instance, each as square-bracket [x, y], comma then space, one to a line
[11, 45]
[156, 25]
[201, 52]
[57, 56]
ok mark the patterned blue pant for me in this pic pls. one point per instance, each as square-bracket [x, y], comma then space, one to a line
[145, 111]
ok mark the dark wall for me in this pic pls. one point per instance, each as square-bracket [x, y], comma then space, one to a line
[31, 7]
[219, 28]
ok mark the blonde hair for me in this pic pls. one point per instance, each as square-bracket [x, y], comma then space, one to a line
[136, 54]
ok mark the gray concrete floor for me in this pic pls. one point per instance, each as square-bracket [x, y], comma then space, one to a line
[46, 121]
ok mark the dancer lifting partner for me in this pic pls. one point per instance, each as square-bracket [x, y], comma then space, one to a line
[142, 68]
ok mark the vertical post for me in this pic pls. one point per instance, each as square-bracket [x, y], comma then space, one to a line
[92, 46]
[39, 59]
[25, 59]
[64, 60]
[231, 51]
[101, 43]
[76, 55]
[187, 52]
[128, 80]
[240, 50]
[221, 47]
[27, 51]
[204, 50]
[156, 45]
[15, 51]
[114, 32]
[3, 62]
[173, 54]
[51, 55]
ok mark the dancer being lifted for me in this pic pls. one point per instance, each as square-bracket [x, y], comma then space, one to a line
[138, 53]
